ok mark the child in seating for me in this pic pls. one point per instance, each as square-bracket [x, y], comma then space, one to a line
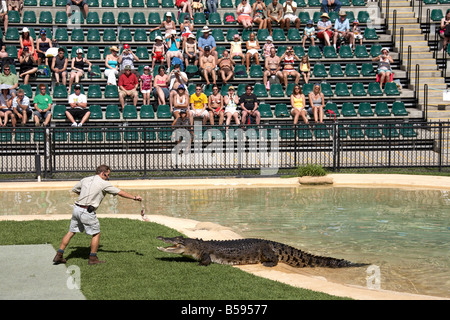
[309, 33]
[357, 33]
[236, 48]
[266, 48]
[158, 51]
[305, 68]
[146, 85]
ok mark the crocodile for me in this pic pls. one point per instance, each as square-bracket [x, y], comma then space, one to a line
[248, 251]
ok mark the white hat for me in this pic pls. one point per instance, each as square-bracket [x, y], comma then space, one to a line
[158, 38]
[191, 35]
[25, 29]
[206, 29]
[269, 38]
[79, 50]
[382, 49]
[169, 14]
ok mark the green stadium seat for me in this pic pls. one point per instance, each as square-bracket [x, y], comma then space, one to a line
[361, 51]
[199, 18]
[61, 34]
[147, 112]
[22, 134]
[95, 72]
[303, 132]
[148, 134]
[73, 91]
[214, 18]
[111, 91]
[350, 14]
[93, 53]
[77, 35]
[109, 35]
[77, 135]
[59, 111]
[27, 89]
[363, 17]
[91, 3]
[319, 71]
[167, 4]
[29, 17]
[390, 89]
[256, 71]
[163, 112]
[92, 18]
[355, 131]
[113, 134]
[278, 34]
[12, 34]
[155, 33]
[374, 89]
[262, 34]
[365, 110]
[436, 15]
[407, 130]
[76, 18]
[329, 52]
[60, 91]
[375, 50]
[125, 35]
[142, 53]
[225, 15]
[348, 109]
[123, 18]
[372, 131]
[122, 3]
[314, 3]
[336, 70]
[260, 90]
[281, 110]
[60, 17]
[333, 107]
[47, 72]
[382, 110]
[5, 135]
[389, 131]
[314, 52]
[287, 132]
[304, 16]
[298, 50]
[226, 3]
[131, 134]
[276, 90]
[345, 52]
[326, 89]
[39, 135]
[140, 35]
[240, 71]
[137, 4]
[358, 89]
[152, 3]
[112, 112]
[370, 34]
[230, 33]
[218, 34]
[367, 70]
[108, 17]
[94, 91]
[30, 3]
[93, 35]
[95, 134]
[13, 16]
[45, 3]
[307, 88]
[130, 112]
[398, 109]
[265, 110]
[316, 16]
[139, 18]
[321, 132]
[351, 70]
[59, 135]
[358, 3]
[96, 112]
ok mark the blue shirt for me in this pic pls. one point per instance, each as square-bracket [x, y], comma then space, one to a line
[341, 26]
[210, 41]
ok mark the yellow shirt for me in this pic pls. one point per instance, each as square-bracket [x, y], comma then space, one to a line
[298, 103]
[198, 101]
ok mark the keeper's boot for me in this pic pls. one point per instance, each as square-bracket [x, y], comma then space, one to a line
[94, 260]
[59, 258]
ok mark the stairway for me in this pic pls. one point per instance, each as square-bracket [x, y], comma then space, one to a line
[420, 54]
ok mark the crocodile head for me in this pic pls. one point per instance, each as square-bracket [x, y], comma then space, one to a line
[177, 247]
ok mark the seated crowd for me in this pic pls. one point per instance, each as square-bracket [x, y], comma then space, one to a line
[171, 54]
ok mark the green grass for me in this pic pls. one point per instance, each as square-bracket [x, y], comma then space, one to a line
[135, 269]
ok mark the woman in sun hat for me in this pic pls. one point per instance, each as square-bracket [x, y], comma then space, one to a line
[168, 24]
[384, 66]
[25, 40]
[112, 65]
[324, 28]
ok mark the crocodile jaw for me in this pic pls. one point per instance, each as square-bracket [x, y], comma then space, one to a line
[177, 248]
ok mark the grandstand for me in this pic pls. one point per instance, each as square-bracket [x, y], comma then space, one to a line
[348, 78]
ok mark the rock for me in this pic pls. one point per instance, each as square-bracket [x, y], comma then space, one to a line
[308, 180]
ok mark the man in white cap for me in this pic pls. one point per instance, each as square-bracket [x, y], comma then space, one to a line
[207, 40]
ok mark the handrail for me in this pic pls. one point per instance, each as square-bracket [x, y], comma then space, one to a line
[408, 66]
[402, 38]
[425, 102]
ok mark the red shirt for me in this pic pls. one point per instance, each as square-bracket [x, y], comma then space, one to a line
[128, 82]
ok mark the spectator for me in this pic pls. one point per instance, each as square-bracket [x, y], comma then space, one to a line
[77, 67]
[252, 50]
[244, 14]
[249, 106]
[226, 67]
[3, 53]
[174, 45]
[59, 67]
[4, 16]
[231, 101]
[309, 33]
[128, 85]
[127, 58]
[236, 48]
[274, 14]
[26, 40]
[199, 105]
[81, 4]
[207, 40]
[327, 5]
[342, 30]
[167, 24]
[42, 45]
[112, 66]
[305, 68]
[288, 59]
[7, 77]
[145, 81]
[15, 5]
[160, 86]
[158, 51]
[5, 106]
[289, 9]
[259, 14]
[184, 6]
[444, 22]
[384, 66]
[176, 77]
[317, 103]
[324, 29]
[298, 105]
[187, 28]
[180, 103]
[42, 106]
[27, 65]
[212, 5]
[357, 33]
[190, 51]
[273, 68]
[78, 107]
[215, 105]
[197, 6]
[208, 66]
[268, 46]
[21, 107]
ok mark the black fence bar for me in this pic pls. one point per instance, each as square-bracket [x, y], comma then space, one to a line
[146, 152]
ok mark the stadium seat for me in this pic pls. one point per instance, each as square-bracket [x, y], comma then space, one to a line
[345, 52]
[113, 134]
[240, 71]
[129, 112]
[374, 89]
[59, 111]
[147, 112]
[61, 34]
[123, 18]
[276, 90]
[22, 134]
[217, 33]
[299, 51]
[91, 3]
[108, 3]
[95, 134]
[214, 18]
[45, 17]
[226, 3]
[111, 92]
[278, 34]
[361, 51]
[60, 17]
[225, 15]
[370, 34]
[329, 52]
[307, 88]
[365, 110]
[319, 71]
[163, 112]
[256, 71]
[29, 17]
[109, 35]
[139, 18]
[390, 89]
[77, 35]
[348, 109]
[382, 110]
[326, 89]
[398, 109]
[112, 112]
[336, 70]
[363, 17]
[230, 33]
[375, 50]
[125, 35]
[140, 35]
[303, 132]
[372, 131]
[93, 53]
[5, 135]
[304, 16]
[265, 110]
[389, 131]
[108, 17]
[294, 35]
[131, 134]
[355, 131]
[27, 89]
[321, 132]
[167, 3]
[142, 53]
[314, 3]
[199, 18]
[60, 91]
[59, 135]
[407, 130]
[333, 107]
[262, 34]
[123, 3]
[12, 34]
[77, 135]
[358, 89]
[137, 4]
[96, 112]
[358, 3]
[367, 70]
[314, 52]
[92, 17]
[436, 15]
[281, 110]
[351, 70]
[46, 73]
[154, 18]
[93, 35]
[94, 91]
[260, 90]
[286, 132]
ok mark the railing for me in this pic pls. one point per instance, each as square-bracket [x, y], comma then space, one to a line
[146, 152]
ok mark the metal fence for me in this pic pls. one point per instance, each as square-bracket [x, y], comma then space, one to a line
[146, 152]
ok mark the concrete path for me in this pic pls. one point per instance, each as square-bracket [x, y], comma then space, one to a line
[27, 273]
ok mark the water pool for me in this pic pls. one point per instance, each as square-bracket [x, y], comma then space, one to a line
[403, 231]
